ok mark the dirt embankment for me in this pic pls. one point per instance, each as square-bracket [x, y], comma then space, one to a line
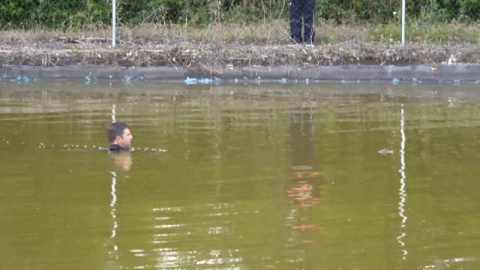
[219, 58]
[57, 50]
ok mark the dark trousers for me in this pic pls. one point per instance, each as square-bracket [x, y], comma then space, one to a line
[302, 9]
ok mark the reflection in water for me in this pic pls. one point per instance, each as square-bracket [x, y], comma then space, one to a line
[122, 160]
[402, 192]
[303, 188]
[218, 210]
[114, 113]
[113, 211]
[169, 233]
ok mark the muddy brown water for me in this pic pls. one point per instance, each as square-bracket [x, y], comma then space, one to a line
[320, 176]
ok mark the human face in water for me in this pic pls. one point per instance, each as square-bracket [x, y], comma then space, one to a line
[125, 141]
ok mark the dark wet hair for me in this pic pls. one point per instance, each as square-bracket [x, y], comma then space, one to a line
[115, 129]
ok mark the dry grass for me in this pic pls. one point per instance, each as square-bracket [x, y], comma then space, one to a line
[268, 34]
[428, 33]
[263, 44]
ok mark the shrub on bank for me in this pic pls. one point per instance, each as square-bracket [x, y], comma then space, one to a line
[81, 14]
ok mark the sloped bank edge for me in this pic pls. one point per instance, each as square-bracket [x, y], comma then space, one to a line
[464, 73]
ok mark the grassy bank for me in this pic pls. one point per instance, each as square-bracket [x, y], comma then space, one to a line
[263, 44]
[274, 32]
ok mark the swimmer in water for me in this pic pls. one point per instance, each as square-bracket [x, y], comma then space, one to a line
[119, 137]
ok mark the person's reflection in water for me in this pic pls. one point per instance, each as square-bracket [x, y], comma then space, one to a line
[122, 160]
[303, 187]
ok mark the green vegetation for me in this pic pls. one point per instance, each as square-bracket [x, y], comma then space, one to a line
[89, 14]
[422, 32]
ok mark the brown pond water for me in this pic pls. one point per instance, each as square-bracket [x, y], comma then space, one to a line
[323, 176]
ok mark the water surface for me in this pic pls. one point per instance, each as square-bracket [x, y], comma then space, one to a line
[324, 176]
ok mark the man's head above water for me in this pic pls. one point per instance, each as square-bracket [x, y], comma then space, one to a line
[119, 136]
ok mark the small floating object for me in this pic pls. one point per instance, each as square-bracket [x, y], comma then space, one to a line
[282, 81]
[385, 151]
[395, 81]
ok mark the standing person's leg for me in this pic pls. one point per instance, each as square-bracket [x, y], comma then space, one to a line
[296, 20]
[309, 17]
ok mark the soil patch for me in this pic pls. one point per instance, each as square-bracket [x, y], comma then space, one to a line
[180, 58]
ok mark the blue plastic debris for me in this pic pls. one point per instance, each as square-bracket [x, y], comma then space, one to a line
[21, 79]
[189, 81]
[127, 79]
[88, 79]
[395, 81]
[205, 81]
[282, 80]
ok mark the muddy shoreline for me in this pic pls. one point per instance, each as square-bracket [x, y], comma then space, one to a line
[25, 59]
[187, 55]
[281, 74]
